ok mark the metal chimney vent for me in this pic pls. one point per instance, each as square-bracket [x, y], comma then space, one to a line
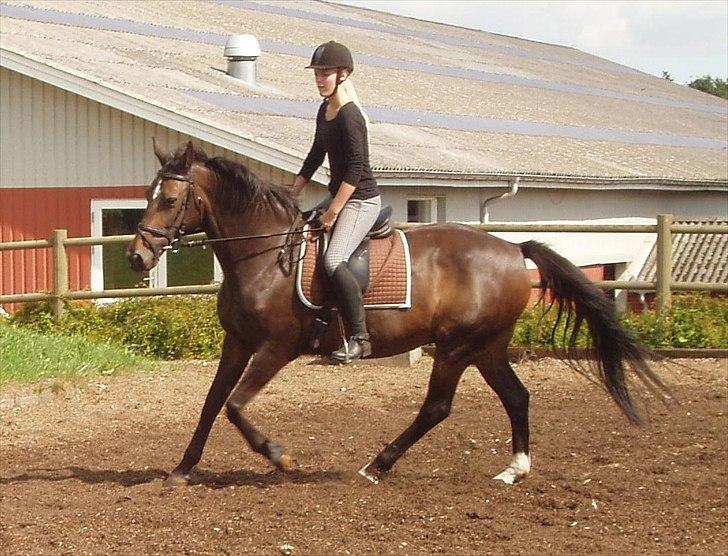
[242, 52]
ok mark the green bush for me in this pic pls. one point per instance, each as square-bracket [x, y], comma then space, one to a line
[165, 328]
[536, 326]
[695, 321]
[187, 327]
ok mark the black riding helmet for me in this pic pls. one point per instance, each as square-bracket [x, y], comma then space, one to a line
[331, 55]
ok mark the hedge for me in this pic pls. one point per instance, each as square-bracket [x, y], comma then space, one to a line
[164, 328]
[187, 327]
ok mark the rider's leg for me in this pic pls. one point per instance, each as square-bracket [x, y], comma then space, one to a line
[348, 293]
[352, 225]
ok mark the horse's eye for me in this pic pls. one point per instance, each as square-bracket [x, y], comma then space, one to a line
[170, 201]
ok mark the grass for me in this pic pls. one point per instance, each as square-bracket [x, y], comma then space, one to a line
[27, 355]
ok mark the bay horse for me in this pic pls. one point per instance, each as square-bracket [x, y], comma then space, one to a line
[468, 290]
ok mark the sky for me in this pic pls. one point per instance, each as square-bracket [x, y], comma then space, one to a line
[686, 38]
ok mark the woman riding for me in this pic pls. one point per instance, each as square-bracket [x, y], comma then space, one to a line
[341, 132]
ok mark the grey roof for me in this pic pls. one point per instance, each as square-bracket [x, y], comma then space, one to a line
[443, 99]
[695, 257]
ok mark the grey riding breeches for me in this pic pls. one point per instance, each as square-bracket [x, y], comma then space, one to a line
[351, 227]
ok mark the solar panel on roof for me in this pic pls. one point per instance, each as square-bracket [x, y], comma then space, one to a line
[149, 29]
[44, 15]
[437, 37]
[307, 109]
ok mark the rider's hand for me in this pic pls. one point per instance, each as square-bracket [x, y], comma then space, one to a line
[327, 219]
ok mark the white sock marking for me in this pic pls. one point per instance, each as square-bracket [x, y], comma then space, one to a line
[518, 469]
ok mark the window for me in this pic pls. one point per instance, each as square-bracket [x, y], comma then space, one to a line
[422, 209]
[110, 269]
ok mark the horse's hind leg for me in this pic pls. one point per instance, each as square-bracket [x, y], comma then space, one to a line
[266, 363]
[233, 360]
[496, 370]
[446, 373]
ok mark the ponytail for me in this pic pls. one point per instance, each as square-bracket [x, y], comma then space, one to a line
[349, 89]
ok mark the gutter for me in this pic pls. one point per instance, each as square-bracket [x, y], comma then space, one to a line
[484, 215]
[450, 178]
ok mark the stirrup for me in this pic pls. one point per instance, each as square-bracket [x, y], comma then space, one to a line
[357, 347]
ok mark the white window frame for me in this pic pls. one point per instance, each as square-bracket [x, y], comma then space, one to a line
[433, 206]
[157, 276]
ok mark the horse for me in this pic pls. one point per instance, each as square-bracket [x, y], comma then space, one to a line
[468, 290]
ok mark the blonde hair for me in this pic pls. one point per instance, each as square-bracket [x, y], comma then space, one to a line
[349, 89]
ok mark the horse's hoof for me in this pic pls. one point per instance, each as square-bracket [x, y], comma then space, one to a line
[370, 474]
[285, 463]
[508, 476]
[176, 480]
[519, 469]
[277, 455]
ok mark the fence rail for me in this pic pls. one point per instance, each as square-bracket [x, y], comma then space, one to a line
[663, 285]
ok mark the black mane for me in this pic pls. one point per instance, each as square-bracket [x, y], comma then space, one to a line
[238, 188]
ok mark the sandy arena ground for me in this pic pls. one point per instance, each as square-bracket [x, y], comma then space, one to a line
[81, 467]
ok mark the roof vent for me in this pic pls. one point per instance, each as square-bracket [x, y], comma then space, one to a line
[242, 52]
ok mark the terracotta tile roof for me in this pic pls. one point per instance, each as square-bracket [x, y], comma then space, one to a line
[695, 257]
[442, 98]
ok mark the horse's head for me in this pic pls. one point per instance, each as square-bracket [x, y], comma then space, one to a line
[174, 207]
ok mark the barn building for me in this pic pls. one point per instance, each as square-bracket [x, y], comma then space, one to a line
[456, 116]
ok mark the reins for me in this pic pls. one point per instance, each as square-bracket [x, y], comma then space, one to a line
[205, 241]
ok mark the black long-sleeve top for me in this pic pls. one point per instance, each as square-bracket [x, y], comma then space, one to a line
[344, 139]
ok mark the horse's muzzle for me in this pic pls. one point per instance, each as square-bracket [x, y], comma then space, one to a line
[139, 255]
[136, 262]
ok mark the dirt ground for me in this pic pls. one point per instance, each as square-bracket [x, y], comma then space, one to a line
[82, 464]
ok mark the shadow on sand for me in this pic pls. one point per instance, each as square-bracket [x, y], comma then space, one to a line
[210, 479]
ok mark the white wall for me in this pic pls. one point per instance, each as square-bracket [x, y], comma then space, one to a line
[570, 204]
[53, 138]
[538, 205]
[528, 205]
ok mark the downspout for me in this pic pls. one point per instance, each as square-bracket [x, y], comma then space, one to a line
[484, 216]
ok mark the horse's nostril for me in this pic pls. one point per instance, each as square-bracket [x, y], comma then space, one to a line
[136, 262]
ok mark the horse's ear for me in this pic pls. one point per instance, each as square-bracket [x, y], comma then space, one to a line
[189, 155]
[162, 156]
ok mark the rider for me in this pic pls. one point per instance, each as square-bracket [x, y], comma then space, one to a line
[341, 132]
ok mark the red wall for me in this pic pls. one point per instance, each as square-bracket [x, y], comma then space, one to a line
[33, 213]
[595, 273]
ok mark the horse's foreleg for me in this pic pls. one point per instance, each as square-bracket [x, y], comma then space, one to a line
[233, 360]
[444, 379]
[266, 363]
[499, 375]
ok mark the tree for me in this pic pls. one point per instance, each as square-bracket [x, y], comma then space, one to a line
[711, 85]
[666, 75]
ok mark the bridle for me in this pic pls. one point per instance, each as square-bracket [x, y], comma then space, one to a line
[177, 229]
[175, 232]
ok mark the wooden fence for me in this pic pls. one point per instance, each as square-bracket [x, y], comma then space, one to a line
[663, 286]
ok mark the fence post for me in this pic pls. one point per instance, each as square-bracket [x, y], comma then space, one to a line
[60, 272]
[664, 264]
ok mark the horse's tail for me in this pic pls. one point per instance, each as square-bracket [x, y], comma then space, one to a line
[613, 346]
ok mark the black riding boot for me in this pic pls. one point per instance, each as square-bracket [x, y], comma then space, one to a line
[349, 295]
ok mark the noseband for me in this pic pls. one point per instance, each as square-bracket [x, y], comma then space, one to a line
[177, 229]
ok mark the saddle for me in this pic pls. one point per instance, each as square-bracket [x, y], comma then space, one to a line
[381, 264]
